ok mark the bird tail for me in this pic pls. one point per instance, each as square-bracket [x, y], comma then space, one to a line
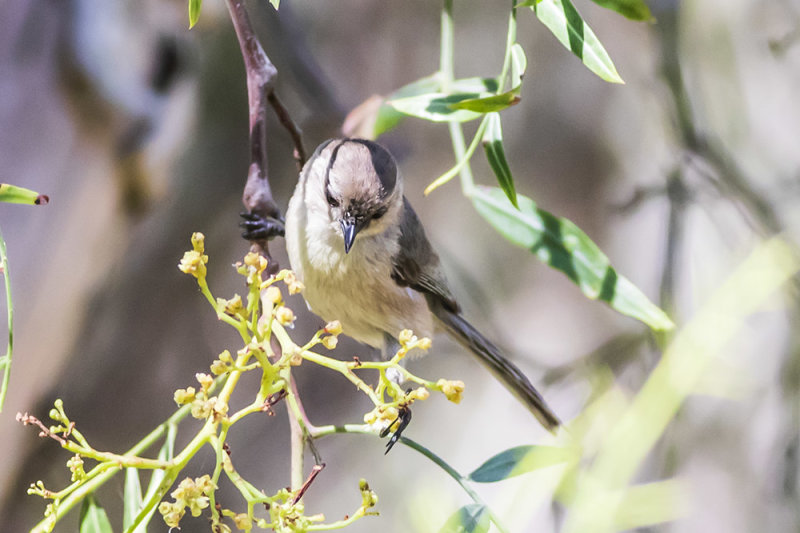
[503, 369]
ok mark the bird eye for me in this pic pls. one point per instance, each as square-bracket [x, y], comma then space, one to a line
[379, 213]
[333, 202]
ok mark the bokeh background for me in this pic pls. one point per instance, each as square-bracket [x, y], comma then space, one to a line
[136, 128]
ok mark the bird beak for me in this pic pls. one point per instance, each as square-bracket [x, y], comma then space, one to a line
[349, 230]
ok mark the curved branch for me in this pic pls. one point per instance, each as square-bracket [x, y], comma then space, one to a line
[261, 73]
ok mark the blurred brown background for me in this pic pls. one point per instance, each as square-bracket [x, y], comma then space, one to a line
[137, 130]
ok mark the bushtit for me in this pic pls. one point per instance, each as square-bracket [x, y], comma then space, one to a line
[359, 248]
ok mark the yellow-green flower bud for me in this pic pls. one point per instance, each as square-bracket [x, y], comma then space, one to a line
[330, 342]
[333, 328]
[421, 393]
[405, 336]
[184, 396]
[242, 521]
[204, 380]
[172, 513]
[424, 343]
[194, 263]
[233, 307]
[75, 465]
[296, 287]
[201, 408]
[285, 316]
[273, 295]
[218, 367]
[198, 241]
[453, 390]
[252, 259]
[368, 496]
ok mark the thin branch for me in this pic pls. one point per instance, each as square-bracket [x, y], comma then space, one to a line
[290, 125]
[261, 74]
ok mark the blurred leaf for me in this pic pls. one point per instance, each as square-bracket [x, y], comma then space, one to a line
[632, 9]
[695, 351]
[474, 85]
[388, 117]
[650, 504]
[495, 154]
[520, 460]
[132, 497]
[164, 454]
[562, 245]
[498, 102]
[275, 3]
[564, 21]
[5, 360]
[93, 519]
[472, 518]
[20, 195]
[194, 11]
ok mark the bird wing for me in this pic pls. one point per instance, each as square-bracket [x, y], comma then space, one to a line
[416, 264]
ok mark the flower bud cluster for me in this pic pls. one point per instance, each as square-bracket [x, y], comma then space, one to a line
[408, 341]
[222, 364]
[254, 265]
[453, 390]
[194, 261]
[368, 496]
[286, 515]
[203, 406]
[333, 329]
[233, 307]
[75, 465]
[191, 493]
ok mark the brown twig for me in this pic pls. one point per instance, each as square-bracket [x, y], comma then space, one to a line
[315, 470]
[291, 127]
[261, 73]
[28, 420]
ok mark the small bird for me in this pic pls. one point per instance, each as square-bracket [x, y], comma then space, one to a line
[362, 254]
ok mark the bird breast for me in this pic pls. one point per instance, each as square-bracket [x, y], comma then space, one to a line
[355, 288]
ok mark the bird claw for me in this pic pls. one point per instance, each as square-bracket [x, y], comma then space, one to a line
[260, 228]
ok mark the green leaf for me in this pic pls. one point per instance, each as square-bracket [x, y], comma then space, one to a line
[488, 104]
[93, 518]
[20, 195]
[495, 154]
[437, 106]
[520, 460]
[472, 518]
[498, 102]
[275, 3]
[194, 11]
[562, 245]
[132, 497]
[632, 9]
[425, 99]
[564, 21]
